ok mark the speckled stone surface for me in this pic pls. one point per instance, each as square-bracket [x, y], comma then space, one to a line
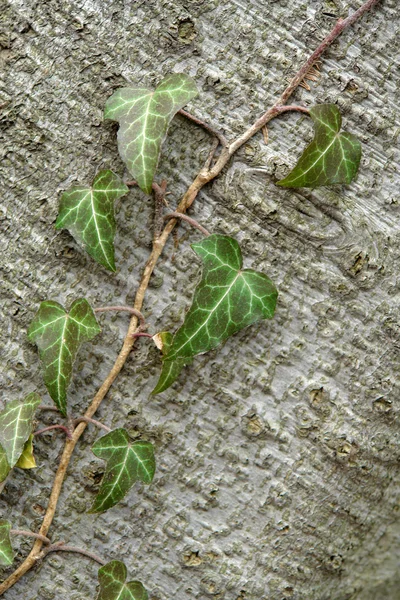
[278, 455]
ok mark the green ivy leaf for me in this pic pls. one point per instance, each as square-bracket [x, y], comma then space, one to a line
[144, 116]
[88, 213]
[127, 462]
[112, 578]
[170, 368]
[27, 459]
[4, 466]
[332, 157]
[58, 336]
[6, 551]
[227, 299]
[16, 426]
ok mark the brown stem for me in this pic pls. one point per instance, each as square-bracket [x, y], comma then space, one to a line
[93, 421]
[61, 547]
[142, 334]
[159, 197]
[192, 222]
[132, 311]
[65, 429]
[44, 407]
[205, 175]
[220, 136]
[26, 533]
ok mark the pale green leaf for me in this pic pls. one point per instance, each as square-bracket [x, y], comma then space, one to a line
[332, 157]
[144, 116]
[27, 459]
[88, 213]
[6, 551]
[16, 426]
[127, 462]
[227, 299]
[58, 336]
[113, 585]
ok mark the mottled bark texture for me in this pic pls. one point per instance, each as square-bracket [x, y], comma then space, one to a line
[278, 455]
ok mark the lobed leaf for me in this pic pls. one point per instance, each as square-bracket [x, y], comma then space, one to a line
[27, 459]
[6, 551]
[113, 586]
[332, 157]
[127, 462]
[88, 213]
[227, 299]
[144, 116]
[58, 336]
[16, 426]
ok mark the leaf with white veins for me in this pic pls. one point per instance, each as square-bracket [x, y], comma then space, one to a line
[6, 551]
[332, 157]
[58, 336]
[16, 426]
[88, 213]
[144, 116]
[113, 585]
[127, 462]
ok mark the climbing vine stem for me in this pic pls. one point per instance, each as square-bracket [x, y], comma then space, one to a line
[205, 175]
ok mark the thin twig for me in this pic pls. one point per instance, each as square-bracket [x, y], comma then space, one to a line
[192, 222]
[61, 547]
[160, 202]
[26, 533]
[93, 421]
[62, 427]
[128, 309]
[220, 136]
[142, 334]
[51, 408]
[204, 176]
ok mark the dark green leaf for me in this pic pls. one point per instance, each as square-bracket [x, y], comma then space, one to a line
[127, 462]
[170, 368]
[332, 157]
[227, 299]
[144, 116]
[4, 466]
[16, 426]
[58, 335]
[6, 551]
[27, 459]
[113, 586]
[88, 213]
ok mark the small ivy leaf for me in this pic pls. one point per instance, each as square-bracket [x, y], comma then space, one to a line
[144, 116]
[4, 466]
[6, 551]
[113, 586]
[16, 426]
[332, 157]
[58, 336]
[170, 368]
[27, 459]
[127, 462]
[88, 213]
[227, 299]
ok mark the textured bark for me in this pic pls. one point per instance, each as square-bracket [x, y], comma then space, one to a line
[278, 455]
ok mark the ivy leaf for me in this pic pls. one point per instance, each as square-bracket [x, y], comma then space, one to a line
[144, 116]
[6, 551]
[27, 459]
[112, 578]
[332, 157]
[227, 299]
[16, 426]
[127, 462]
[4, 466]
[58, 336]
[88, 213]
[170, 368]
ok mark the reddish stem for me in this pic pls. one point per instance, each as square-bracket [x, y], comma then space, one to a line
[65, 429]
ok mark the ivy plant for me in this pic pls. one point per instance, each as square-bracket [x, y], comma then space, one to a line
[227, 298]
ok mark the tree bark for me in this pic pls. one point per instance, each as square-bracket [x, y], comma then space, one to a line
[278, 454]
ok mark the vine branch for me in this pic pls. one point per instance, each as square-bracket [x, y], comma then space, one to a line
[205, 175]
[192, 222]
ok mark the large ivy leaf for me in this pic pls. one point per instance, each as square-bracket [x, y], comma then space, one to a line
[144, 116]
[88, 213]
[16, 426]
[4, 466]
[6, 551]
[127, 462]
[58, 336]
[227, 299]
[332, 157]
[27, 459]
[113, 586]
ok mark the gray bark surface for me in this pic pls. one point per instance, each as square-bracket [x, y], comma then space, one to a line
[278, 454]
